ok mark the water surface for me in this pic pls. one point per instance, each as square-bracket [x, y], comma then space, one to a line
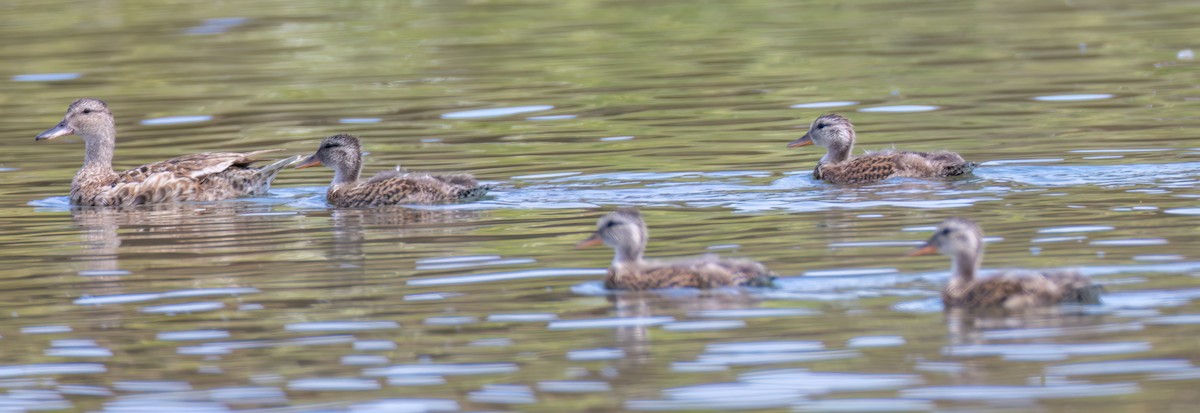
[1081, 113]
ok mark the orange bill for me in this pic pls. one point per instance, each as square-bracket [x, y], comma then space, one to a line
[592, 241]
[922, 250]
[803, 141]
[309, 162]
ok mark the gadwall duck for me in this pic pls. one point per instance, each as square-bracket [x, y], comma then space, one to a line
[962, 240]
[199, 177]
[343, 154]
[836, 134]
[625, 231]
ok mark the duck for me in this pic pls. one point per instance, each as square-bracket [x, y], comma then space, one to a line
[835, 133]
[343, 154]
[201, 177]
[625, 232]
[1010, 290]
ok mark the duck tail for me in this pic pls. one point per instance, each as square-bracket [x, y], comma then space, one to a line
[267, 173]
[958, 169]
[761, 280]
[473, 193]
[1089, 294]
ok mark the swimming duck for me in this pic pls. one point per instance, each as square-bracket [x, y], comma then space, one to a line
[343, 154]
[962, 240]
[198, 177]
[836, 134]
[625, 231]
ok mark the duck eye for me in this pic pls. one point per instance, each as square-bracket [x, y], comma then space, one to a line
[610, 224]
[87, 111]
[820, 126]
[944, 231]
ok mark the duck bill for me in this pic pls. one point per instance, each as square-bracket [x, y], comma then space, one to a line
[58, 130]
[803, 141]
[922, 250]
[309, 162]
[592, 241]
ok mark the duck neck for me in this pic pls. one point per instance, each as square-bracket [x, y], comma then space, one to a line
[627, 254]
[839, 151]
[347, 173]
[98, 155]
[966, 265]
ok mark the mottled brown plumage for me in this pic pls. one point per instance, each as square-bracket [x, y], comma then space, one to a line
[962, 241]
[197, 177]
[836, 134]
[343, 154]
[625, 231]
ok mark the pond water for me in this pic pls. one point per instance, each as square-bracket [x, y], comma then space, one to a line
[1082, 113]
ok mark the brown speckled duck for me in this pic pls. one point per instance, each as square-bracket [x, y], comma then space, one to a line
[625, 231]
[962, 240]
[199, 177]
[343, 154]
[836, 134]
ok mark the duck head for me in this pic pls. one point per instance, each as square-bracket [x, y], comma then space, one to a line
[86, 117]
[624, 231]
[960, 239]
[341, 153]
[832, 132]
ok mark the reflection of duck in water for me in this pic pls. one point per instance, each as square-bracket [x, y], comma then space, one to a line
[836, 134]
[343, 154]
[197, 177]
[962, 241]
[183, 235]
[636, 341]
[625, 232]
[351, 228]
[185, 231]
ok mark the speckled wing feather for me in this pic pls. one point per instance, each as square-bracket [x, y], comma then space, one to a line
[860, 170]
[398, 188]
[705, 272]
[995, 293]
[196, 177]
[195, 166]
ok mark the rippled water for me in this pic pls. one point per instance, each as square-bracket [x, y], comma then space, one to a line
[1082, 113]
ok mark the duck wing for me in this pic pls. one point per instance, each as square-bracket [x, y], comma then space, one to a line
[195, 166]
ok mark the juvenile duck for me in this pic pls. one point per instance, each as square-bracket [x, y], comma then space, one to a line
[198, 177]
[836, 134]
[962, 240]
[343, 154]
[625, 232]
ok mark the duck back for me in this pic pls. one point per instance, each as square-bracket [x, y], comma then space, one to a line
[878, 166]
[709, 271]
[399, 188]
[1018, 290]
